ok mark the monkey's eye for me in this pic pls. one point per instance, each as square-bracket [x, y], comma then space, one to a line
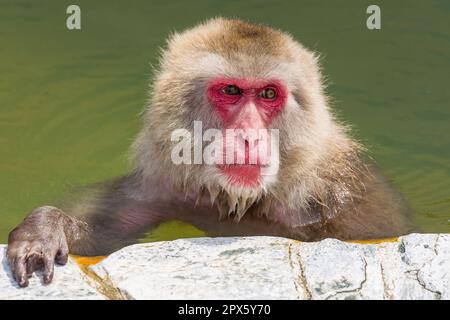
[231, 90]
[268, 93]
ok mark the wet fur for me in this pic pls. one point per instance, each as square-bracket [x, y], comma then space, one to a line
[324, 187]
[321, 175]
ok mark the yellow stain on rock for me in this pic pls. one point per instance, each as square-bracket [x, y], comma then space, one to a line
[102, 285]
[85, 262]
[373, 241]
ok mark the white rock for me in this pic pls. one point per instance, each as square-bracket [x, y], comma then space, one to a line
[337, 270]
[68, 283]
[418, 267]
[414, 267]
[220, 268]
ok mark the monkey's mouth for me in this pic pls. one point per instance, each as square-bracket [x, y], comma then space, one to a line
[242, 174]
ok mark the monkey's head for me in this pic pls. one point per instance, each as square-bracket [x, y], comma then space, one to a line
[250, 81]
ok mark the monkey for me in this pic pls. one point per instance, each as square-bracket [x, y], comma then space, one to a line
[230, 75]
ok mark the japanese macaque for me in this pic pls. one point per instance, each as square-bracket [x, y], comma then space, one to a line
[226, 74]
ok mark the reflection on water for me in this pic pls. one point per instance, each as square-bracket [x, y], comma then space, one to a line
[70, 100]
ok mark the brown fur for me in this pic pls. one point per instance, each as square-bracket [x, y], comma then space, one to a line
[320, 164]
[323, 187]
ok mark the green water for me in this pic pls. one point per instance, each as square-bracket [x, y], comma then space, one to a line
[70, 100]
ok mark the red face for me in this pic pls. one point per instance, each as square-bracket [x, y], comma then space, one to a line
[248, 105]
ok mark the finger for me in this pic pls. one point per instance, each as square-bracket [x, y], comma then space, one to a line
[17, 259]
[20, 271]
[32, 264]
[49, 263]
[33, 258]
[62, 255]
[15, 250]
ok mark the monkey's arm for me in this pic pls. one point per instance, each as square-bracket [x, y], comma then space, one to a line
[96, 225]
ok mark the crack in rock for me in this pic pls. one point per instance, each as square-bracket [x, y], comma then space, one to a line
[437, 294]
[301, 279]
[360, 286]
[103, 285]
[417, 267]
[387, 292]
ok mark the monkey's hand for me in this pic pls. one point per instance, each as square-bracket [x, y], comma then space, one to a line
[38, 242]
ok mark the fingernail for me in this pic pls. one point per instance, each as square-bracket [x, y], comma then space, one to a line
[23, 282]
[47, 279]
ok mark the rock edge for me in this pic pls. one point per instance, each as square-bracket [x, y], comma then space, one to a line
[416, 266]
